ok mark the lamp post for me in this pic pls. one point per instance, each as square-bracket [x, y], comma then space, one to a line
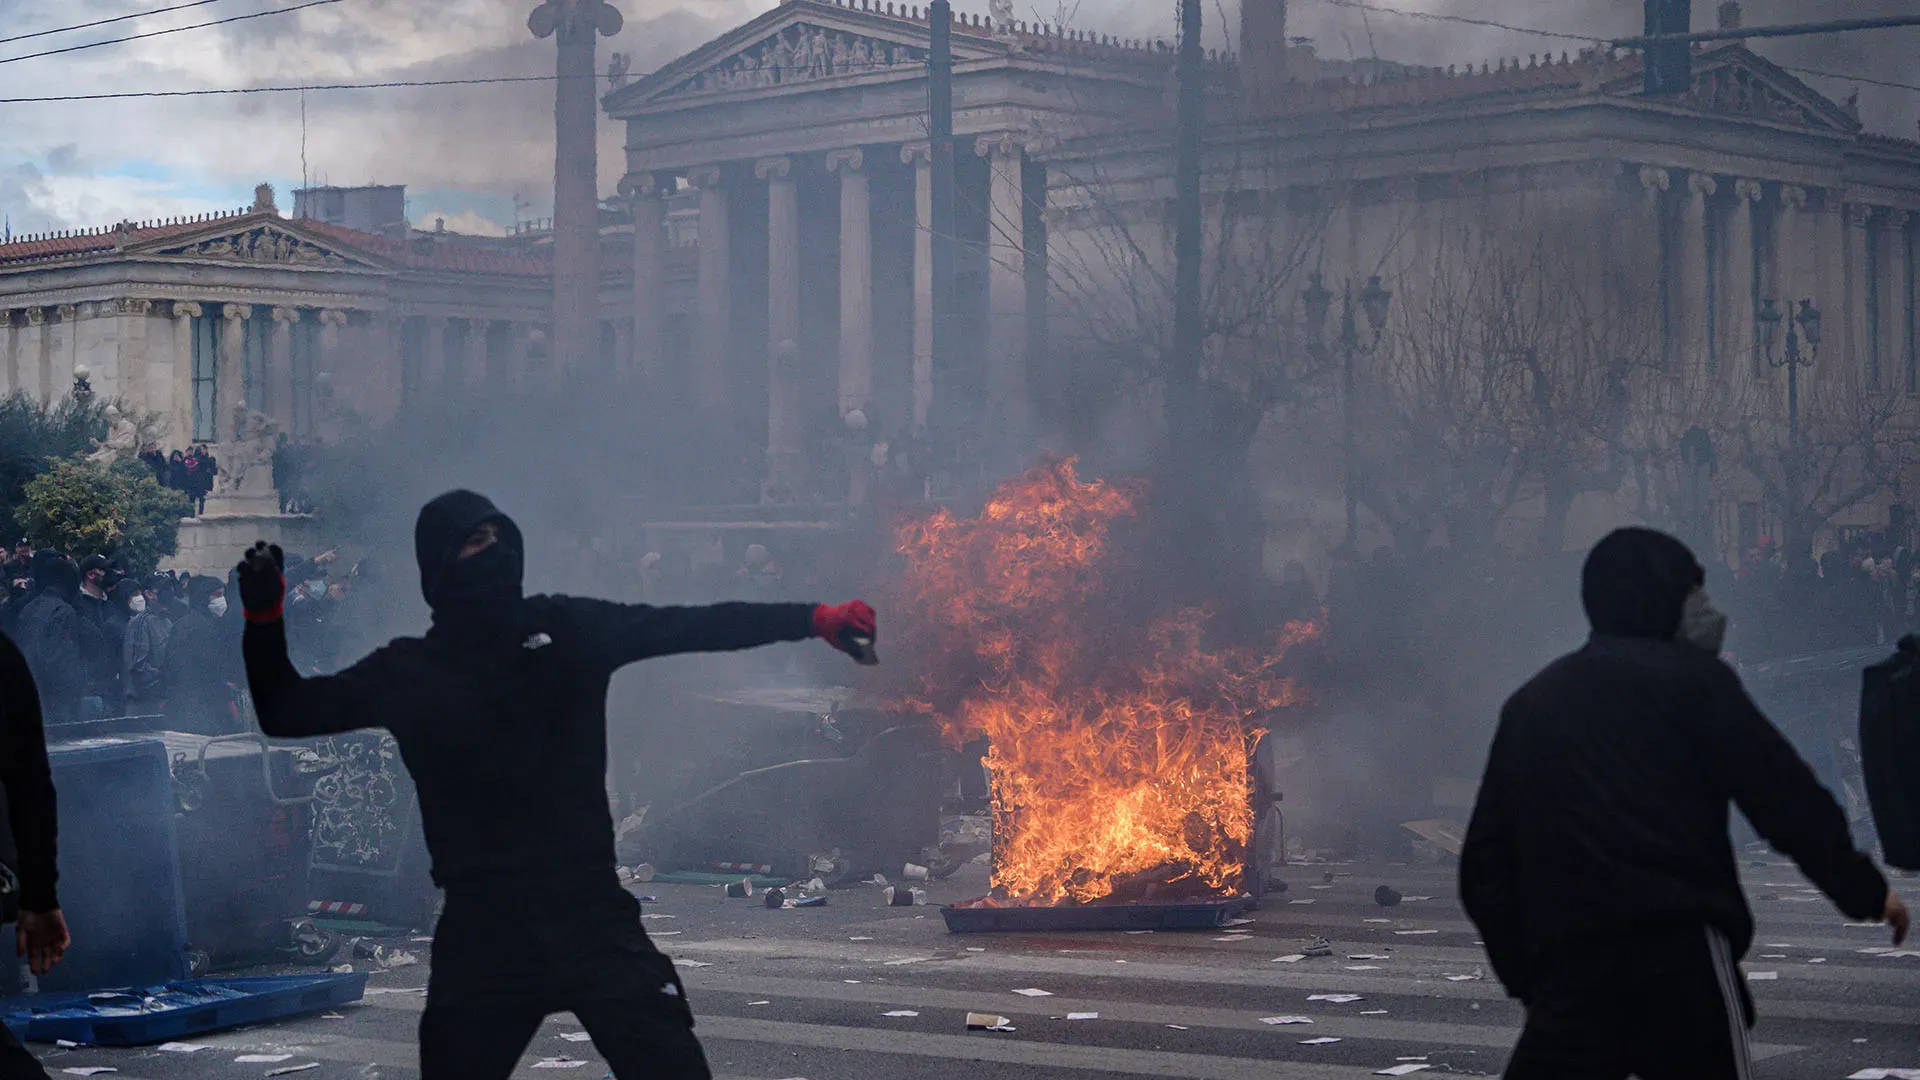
[1317, 300]
[1802, 345]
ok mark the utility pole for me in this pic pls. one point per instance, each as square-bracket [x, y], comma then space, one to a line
[1183, 371]
[940, 153]
[575, 337]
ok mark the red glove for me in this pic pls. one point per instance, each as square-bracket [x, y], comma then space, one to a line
[840, 623]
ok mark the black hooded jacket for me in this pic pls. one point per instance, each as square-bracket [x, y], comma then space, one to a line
[500, 710]
[50, 633]
[1603, 811]
[27, 778]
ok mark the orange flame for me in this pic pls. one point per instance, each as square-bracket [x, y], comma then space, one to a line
[1119, 746]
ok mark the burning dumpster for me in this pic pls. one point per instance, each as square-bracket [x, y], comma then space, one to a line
[1120, 735]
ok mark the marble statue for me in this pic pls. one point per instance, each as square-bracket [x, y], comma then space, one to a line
[123, 437]
[246, 462]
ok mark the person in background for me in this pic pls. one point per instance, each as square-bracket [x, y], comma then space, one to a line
[31, 822]
[48, 632]
[1598, 865]
[500, 715]
[147, 636]
[196, 661]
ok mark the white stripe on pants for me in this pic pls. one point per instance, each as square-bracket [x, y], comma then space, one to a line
[1729, 976]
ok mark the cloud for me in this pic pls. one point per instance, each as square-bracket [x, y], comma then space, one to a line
[466, 221]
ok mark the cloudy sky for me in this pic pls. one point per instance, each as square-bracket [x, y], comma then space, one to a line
[473, 154]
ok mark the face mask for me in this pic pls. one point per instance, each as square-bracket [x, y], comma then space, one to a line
[137, 605]
[316, 588]
[490, 576]
[1701, 624]
[217, 606]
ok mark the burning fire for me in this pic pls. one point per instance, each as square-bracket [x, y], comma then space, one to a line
[1119, 743]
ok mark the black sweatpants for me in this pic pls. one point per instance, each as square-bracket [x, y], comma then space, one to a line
[16, 1061]
[1670, 1005]
[500, 969]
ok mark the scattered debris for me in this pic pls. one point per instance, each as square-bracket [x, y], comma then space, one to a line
[1762, 976]
[900, 1012]
[643, 872]
[1386, 896]
[1238, 922]
[775, 898]
[655, 915]
[1307, 901]
[1369, 956]
[1388, 921]
[90, 1070]
[988, 1022]
[804, 902]
[293, 1069]
[1410, 933]
[1402, 1070]
[575, 1036]
[692, 963]
[1318, 946]
[1179, 1027]
[898, 896]
[1415, 899]
[262, 1059]
[180, 1048]
[1290, 958]
[1234, 937]
[1083, 1016]
[759, 1003]
[1361, 967]
[343, 969]
[1465, 978]
[1373, 1012]
[860, 937]
[738, 890]
[1442, 833]
[1863, 1074]
[1032, 991]
[913, 872]
[556, 1063]
[1337, 999]
[1321, 1041]
[1286, 1019]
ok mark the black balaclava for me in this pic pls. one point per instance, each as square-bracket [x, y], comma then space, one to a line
[479, 592]
[1635, 582]
[57, 575]
[199, 591]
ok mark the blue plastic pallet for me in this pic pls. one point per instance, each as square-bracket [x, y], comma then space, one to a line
[971, 917]
[135, 1017]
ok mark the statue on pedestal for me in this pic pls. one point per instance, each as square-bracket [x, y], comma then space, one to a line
[123, 437]
[244, 484]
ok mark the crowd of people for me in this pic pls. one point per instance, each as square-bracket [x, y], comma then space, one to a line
[105, 643]
[189, 472]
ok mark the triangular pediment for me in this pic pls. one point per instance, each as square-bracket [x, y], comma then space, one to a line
[1734, 79]
[801, 41]
[257, 239]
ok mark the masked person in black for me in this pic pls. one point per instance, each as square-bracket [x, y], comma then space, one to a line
[1598, 865]
[500, 715]
[26, 777]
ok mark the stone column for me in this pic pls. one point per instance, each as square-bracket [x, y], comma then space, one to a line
[1695, 313]
[1736, 292]
[920, 156]
[180, 412]
[280, 366]
[1828, 288]
[1795, 242]
[478, 370]
[383, 335]
[649, 240]
[783, 318]
[9, 354]
[856, 280]
[713, 334]
[433, 351]
[1008, 401]
[1890, 290]
[1648, 242]
[233, 358]
[36, 374]
[1854, 248]
[134, 354]
[64, 358]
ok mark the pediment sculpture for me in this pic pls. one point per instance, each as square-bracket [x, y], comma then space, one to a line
[798, 53]
[264, 245]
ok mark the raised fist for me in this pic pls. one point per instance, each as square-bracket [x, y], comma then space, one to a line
[263, 582]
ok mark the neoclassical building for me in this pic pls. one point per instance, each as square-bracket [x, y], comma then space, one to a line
[803, 134]
[189, 319]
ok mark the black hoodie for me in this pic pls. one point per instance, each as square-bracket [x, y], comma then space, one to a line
[500, 710]
[1603, 811]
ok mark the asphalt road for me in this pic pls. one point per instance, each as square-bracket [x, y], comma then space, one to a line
[805, 993]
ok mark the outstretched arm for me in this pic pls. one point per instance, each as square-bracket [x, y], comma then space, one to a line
[638, 631]
[289, 706]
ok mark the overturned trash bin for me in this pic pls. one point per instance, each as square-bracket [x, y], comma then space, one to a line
[142, 1015]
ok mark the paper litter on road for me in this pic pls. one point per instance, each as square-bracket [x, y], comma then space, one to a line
[89, 1070]
[1409, 933]
[1816, 960]
[1463, 978]
[1321, 1041]
[851, 982]
[1895, 954]
[1034, 992]
[1773, 956]
[1337, 999]
[988, 1022]
[1762, 976]
[1402, 1070]
[1235, 937]
[343, 969]
[1861, 925]
[976, 948]
[261, 1059]
[293, 1069]
[1286, 1019]
[652, 915]
[1290, 958]
[1373, 1012]
[1886, 1074]
[862, 938]
[1376, 920]
[1237, 922]
[180, 1048]
[1139, 931]
[1083, 1016]
[1369, 956]
[909, 960]
[759, 1002]
[1414, 899]
[1319, 886]
[1300, 901]
[691, 963]
[1179, 1027]
[575, 1036]
[900, 1012]
[1361, 967]
[556, 1063]
[1416, 1057]
[333, 1016]
[371, 991]
[656, 933]
[65, 1044]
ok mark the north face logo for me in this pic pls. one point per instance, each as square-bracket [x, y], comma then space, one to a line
[537, 641]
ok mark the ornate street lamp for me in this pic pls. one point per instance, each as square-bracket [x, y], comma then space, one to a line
[1317, 302]
[1804, 327]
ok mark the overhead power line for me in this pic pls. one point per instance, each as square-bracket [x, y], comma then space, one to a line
[171, 30]
[104, 22]
[1361, 5]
